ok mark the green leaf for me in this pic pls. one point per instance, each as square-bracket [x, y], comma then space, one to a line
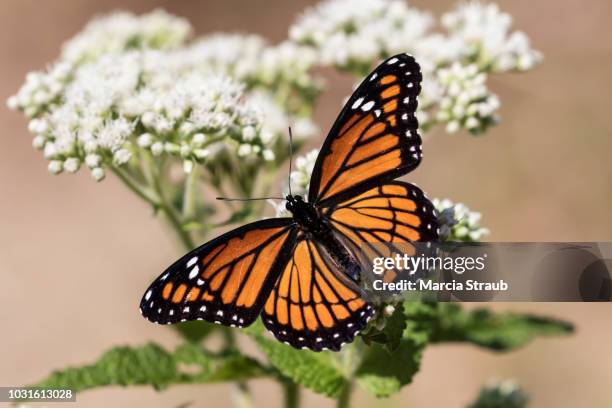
[391, 333]
[200, 366]
[504, 394]
[152, 365]
[194, 331]
[385, 369]
[502, 331]
[312, 370]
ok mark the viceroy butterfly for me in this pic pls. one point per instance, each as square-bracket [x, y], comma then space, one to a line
[301, 273]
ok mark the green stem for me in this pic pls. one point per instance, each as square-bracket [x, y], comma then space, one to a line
[170, 212]
[344, 401]
[190, 193]
[141, 191]
[291, 395]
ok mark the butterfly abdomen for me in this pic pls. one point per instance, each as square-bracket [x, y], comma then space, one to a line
[316, 227]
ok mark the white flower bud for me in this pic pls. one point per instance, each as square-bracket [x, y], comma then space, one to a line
[12, 102]
[266, 136]
[91, 146]
[50, 150]
[187, 166]
[171, 147]
[157, 148]
[248, 134]
[145, 140]
[55, 167]
[122, 156]
[201, 153]
[185, 150]
[92, 160]
[244, 149]
[38, 142]
[268, 155]
[388, 310]
[452, 126]
[148, 119]
[72, 164]
[198, 139]
[98, 173]
[186, 128]
[472, 123]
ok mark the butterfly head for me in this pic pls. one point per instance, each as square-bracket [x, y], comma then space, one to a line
[294, 202]
[304, 213]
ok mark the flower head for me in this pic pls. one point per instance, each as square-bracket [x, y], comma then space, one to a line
[487, 38]
[121, 31]
[457, 222]
[124, 85]
[353, 33]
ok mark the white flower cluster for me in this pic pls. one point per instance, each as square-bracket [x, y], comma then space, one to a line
[189, 102]
[476, 40]
[121, 31]
[356, 32]
[300, 177]
[250, 59]
[458, 222]
[485, 33]
[466, 103]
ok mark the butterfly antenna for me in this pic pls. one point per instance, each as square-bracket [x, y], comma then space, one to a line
[248, 199]
[290, 159]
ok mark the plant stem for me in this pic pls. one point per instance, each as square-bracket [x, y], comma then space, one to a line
[141, 191]
[291, 395]
[345, 397]
[190, 193]
[170, 212]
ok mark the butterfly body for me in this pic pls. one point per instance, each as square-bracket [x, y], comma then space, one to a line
[301, 274]
[317, 229]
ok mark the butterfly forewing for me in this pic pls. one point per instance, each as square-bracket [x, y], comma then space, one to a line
[313, 304]
[375, 137]
[226, 280]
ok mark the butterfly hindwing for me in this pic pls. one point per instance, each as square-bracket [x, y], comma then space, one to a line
[375, 137]
[313, 304]
[386, 221]
[226, 280]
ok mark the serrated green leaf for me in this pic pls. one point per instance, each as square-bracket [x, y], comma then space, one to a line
[391, 333]
[501, 331]
[206, 367]
[312, 370]
[385, 369]
[152, 365]
[194, 331]
[383, 373]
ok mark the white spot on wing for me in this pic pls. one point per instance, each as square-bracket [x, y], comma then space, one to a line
[392, 61]
[192, 261]
[357, 103]
[194, 272]
[148, 295]
[367, 106]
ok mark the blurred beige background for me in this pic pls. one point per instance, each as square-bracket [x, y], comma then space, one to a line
[75, 256]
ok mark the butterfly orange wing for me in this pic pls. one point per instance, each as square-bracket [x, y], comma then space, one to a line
[226, 280]
[313, 305]
[392, 213]
[375, 137]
